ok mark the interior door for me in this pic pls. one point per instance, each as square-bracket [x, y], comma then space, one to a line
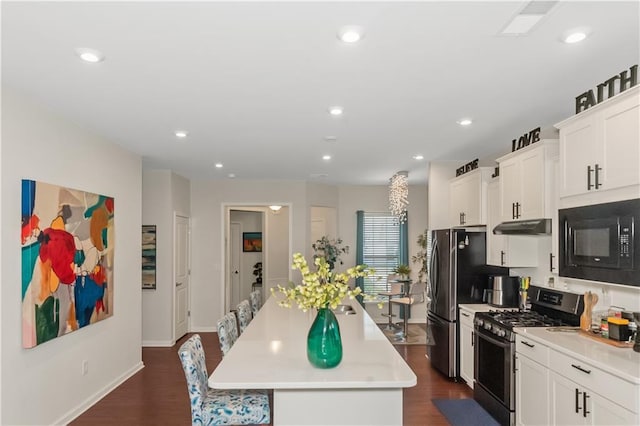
[235, 278]
[181, 267]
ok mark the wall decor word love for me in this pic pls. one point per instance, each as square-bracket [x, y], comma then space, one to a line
[589, 99]
[525, 140]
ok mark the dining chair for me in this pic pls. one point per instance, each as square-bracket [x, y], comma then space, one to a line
[215, 406]
[227, 332]
[256, 301]
[243, 311]
[415, 295]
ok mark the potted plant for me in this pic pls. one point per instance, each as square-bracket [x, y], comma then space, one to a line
[257, 272]
[330, 250]
[403, 270]
[421, 256]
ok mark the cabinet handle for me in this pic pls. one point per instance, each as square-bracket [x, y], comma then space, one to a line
[502, 257]
[584, 404]
[598, 184]
[589, 185]
[584, 370]
[464, 218]
[551, 268]
[464, 314]
[524, 342]
[473, 337]
[577, 400]
[517, 210]
[513, 210]
[460, 218]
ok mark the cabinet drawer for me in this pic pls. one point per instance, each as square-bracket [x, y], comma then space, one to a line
[466, 318]
[595, 380]
[532, 349]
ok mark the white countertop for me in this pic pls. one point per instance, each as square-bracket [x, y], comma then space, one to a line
[271, 354]
[622, 362]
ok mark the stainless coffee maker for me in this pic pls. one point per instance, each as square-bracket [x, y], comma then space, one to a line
[503, 291]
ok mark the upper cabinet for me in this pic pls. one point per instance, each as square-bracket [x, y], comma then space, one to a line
[600, 151]
[468, 198]
[526, 182]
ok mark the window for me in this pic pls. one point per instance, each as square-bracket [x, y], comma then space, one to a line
[382, 245]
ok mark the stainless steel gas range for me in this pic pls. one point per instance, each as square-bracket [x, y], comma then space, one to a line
[494, 343]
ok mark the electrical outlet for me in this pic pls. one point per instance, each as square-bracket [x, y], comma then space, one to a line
[85, 367]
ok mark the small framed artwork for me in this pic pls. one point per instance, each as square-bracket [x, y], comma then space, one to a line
[149, 257]
[252, 241]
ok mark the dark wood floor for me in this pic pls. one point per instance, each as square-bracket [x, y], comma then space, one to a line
[157, 395]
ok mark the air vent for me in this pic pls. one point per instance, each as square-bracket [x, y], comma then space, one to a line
[530, 15]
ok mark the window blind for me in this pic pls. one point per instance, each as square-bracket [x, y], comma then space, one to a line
[380, 248]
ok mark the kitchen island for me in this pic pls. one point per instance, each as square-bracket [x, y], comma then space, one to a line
[364, 389]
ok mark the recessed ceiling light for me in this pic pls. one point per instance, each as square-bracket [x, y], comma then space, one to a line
[231, 175]
[181, 134]
[350, 34]
[219, 165]
[330, 138]
[465, 121]
[418, 157]
[89, 55]
[336, 110]
[326, 157]
[575, 37]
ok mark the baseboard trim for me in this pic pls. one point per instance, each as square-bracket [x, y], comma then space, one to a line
[93, 399]
[157, 343]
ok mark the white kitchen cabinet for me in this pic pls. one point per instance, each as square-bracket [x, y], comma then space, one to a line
[600, 150]
[532, 382]
[526, 181]
[573, 404]
[506, 250]
[466, 346]
[468, 198]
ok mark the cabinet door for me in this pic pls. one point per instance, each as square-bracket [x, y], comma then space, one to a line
[532, 392]
[466, 352]
[510, 178]
[601, 411]
[566, 401]
[532, 186]
[457, 202]
[495, 243]
[578, 151]
[620, 146]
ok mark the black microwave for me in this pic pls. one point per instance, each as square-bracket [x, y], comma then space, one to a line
[600, 242]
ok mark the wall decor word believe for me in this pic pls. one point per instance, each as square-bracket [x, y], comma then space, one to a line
[67, 260]
[588, 99]
[149, 257]
[525, 140]
[252, 241]
[467, 167]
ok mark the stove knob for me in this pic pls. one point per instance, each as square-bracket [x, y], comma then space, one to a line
[479, 322]
[487, 326]
[501, 333]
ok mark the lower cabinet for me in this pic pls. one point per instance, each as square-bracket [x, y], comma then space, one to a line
[532, 400]
[573, 404]
[466, 346]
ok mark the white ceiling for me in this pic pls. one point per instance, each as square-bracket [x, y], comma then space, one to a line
[252, 82]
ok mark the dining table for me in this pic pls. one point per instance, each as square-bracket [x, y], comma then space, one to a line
[364, 389]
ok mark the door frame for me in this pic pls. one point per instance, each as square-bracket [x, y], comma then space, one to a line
[173, 275]
[225, 295]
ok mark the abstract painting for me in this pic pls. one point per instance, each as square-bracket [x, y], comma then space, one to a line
[251, 241]
[67, 260]
[149, 256]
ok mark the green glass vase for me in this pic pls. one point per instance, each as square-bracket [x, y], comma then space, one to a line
[324, 344]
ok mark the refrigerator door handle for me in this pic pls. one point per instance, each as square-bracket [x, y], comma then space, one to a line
[434, 272]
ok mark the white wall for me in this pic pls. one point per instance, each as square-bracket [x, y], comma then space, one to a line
[440, 172]
[44, 385]
[207, 211]
[376, 199]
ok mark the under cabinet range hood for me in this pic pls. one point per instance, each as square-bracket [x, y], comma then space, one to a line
[524, 227]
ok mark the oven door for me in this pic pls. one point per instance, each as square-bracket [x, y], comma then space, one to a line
[494, 368]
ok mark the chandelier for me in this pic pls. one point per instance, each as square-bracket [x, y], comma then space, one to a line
[399, 195]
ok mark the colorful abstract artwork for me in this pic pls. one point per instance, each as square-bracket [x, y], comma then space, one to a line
[149, 257]
[251, 241]
[67, 260]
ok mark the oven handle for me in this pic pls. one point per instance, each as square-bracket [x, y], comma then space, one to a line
[484, 335]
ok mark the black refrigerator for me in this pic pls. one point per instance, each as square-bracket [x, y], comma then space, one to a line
[458, 274]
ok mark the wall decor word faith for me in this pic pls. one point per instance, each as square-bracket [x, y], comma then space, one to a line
[589, 99]
[467, 167]
[525, 140]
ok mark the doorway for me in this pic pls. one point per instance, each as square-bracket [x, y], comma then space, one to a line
[181, 275]
[244, 265]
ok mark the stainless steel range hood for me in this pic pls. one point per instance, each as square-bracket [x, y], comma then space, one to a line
[524, 227]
